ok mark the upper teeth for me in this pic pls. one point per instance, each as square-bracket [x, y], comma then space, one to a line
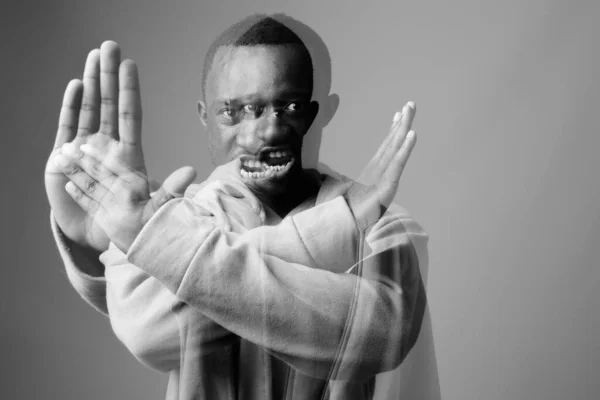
[277, 154]
[272, 154]
[253, 163]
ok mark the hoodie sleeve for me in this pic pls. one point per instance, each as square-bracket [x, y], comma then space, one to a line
[85, 272]
[151, 321]
[146, 317]
[333, 300]
[154, 324]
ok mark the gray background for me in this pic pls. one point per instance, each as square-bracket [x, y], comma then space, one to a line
[504, 177]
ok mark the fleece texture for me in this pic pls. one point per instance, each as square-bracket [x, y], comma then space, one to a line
[236, 303]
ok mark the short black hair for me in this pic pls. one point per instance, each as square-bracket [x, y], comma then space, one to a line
[256, 30]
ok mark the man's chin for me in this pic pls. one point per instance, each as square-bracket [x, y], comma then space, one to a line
[268, 181]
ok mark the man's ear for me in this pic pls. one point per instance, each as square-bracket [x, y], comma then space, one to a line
[329, 106]
[202, 113]
[313, 110]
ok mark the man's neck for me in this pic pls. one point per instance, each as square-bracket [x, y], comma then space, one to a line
[299, 189]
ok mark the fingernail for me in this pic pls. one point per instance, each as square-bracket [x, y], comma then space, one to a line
[397, 116]
[71, 188]
[411, 104]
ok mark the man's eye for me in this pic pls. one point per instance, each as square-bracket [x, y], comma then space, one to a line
[251, 108]
[294, 106]
[228, 112]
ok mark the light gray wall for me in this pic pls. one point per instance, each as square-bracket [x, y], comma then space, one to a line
[504, 177]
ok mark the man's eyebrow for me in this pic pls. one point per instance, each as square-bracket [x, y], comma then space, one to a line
[229, 101]
[226, 101]
[285, 95]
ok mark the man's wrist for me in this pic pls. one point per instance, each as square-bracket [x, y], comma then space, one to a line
[364, 203]
[124, 242]
[330, 233]
[93, 267]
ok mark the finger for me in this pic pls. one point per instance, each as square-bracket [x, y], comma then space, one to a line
[374, 167]
[69, 112]
[394, 172]
[88, 185]
[110, 58]
[386, 142]
[179, 180]
[396, 137]
[130, 104]
[91, 165]
[174, 186]
[402, 130]
[388, 184]
[89, 116]
[89, 205]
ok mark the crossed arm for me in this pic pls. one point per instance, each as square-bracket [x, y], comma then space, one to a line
[301, 306]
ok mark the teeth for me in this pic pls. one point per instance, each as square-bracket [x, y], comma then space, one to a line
[268, 170]
[253, 163]
[278, 154]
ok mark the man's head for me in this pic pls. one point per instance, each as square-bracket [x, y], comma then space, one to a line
[257, 89]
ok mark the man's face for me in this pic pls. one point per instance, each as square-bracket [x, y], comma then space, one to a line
[257, 110]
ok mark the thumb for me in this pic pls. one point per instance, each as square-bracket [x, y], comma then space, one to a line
[174, 186]
[178, 181]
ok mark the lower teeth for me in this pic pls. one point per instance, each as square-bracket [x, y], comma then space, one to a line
[267, 171]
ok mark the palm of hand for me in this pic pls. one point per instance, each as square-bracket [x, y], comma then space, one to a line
[111, 125]
[76, 223]
[381, 176]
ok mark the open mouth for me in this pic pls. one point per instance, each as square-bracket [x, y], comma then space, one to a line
[270, 164]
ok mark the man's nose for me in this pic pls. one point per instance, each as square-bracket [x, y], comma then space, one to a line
[263, 130]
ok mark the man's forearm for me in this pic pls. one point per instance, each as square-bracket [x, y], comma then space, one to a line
[141, 310]
[151, 321]
[304, 315]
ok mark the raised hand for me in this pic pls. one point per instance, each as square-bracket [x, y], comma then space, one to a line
[104, 111]
[116, 196]
[378, 183]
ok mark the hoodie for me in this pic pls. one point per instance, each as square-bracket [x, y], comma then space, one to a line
[235, 302]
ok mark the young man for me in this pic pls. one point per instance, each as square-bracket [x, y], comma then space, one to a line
[267, 281]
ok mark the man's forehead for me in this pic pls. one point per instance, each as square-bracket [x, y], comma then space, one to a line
[264, 70]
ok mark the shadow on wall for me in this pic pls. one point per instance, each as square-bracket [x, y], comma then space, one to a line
[417, 377]
[328, 103]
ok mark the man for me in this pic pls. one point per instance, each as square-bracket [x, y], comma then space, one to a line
[315, 289]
